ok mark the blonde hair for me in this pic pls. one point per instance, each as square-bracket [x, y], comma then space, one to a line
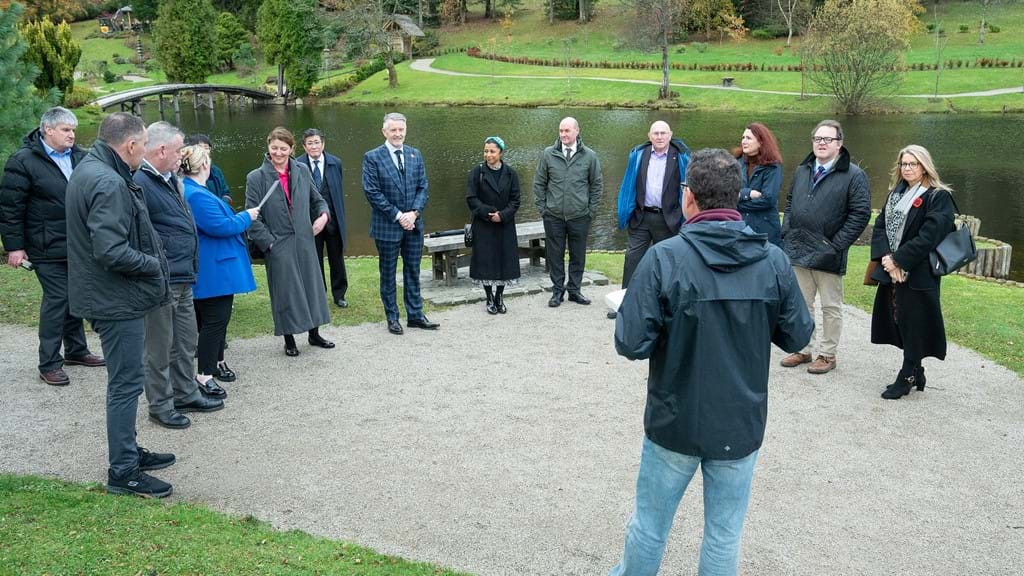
[921, 154]
[193, 159]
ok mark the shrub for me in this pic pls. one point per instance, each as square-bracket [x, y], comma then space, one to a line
[994, 29]
[931, 27]
[79, 96]
[424, 45]
[109, 77]
[119, 60]
[770, 32]
[779, 51]
[964, 28]
[701, 47]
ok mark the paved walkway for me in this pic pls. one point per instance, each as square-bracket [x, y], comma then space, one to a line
[427, 65]
[508, 445]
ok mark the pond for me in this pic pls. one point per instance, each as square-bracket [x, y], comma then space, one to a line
[977, 154]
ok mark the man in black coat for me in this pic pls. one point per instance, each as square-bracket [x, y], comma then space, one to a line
[34, 231]
[707, 406]
[120, 274]
[828, 206]
[326, 170]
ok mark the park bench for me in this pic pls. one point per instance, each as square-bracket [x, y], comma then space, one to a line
[727, 81]
[448, 252]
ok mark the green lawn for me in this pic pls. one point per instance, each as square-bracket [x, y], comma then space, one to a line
[52, 527]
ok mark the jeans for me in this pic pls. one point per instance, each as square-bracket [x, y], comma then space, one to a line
[663, 478]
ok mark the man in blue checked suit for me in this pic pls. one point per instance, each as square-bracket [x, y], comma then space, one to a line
[395, 184]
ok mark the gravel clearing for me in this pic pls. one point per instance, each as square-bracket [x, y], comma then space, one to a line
[508, 445]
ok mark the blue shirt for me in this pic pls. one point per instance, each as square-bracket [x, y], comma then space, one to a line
[61, 159]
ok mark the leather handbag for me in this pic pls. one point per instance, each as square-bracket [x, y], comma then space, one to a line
[955, 251]
[468, 230]
[868, 280]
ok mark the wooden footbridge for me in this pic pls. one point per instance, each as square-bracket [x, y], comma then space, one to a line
[202, 96]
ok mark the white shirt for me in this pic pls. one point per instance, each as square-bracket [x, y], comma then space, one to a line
[391, 152]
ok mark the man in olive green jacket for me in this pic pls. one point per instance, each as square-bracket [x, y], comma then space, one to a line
[566, 190]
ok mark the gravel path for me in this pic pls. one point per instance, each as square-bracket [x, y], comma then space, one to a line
[509, 445]
[427, 65]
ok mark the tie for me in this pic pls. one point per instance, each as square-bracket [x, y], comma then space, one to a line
[401, 164]
[819, 173]
[317, 177]
[568, 153]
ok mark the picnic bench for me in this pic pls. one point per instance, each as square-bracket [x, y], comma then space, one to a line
[449, 252]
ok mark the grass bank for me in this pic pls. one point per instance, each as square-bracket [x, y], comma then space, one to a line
[975, 312]
[52, 527]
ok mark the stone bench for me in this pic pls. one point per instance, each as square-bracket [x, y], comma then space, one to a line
[446, 251]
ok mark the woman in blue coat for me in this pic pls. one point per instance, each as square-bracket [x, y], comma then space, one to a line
[762, 180]
[224, 267]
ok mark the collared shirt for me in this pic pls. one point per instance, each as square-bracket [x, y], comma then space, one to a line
[61, 159]
[391, 152]
[655, 178]
[167, 176]
[827, 166]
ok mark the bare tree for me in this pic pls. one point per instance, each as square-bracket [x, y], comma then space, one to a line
[940, 43]
[985, 5]
[655, 24]
[368, 31]
[791, 11]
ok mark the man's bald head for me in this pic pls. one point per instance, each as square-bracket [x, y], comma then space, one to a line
[660, 135]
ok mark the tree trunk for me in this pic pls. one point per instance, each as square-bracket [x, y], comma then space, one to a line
[419, 13]
[984, 25]
[462, 12]
[583, 11]
[666, 92]
[551, 11]
[389, 62]
[280, 79]
[489, 9]
[789, 37]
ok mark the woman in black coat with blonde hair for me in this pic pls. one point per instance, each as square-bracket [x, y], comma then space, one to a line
[917, 215]
[492, 193]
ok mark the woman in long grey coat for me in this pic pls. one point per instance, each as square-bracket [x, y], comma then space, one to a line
[292, 215]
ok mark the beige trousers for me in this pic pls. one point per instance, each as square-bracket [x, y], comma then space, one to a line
[829, 288]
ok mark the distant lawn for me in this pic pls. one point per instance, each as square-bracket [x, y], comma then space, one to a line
[52, 527]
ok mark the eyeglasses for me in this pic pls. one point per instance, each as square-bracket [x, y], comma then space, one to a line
[904, 165]
[824, 139]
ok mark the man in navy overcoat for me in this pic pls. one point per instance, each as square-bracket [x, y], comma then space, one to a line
[395, 184]
[326, 170]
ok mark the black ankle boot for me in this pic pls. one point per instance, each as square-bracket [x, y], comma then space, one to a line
[499, 303]
[492, 308]
[902, 386]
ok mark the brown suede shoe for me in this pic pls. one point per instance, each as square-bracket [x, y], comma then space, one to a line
[795, 359]
[90, 360]
[55, 377]
[822, 365]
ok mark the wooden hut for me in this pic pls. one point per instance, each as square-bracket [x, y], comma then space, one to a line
[402, 30]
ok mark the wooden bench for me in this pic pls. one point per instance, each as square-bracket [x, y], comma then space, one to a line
[727, 81]
[448, 252]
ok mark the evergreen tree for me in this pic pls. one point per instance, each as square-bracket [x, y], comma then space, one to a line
[20, 103]
[53, 51]
[186, 40]
[230, 36]
[291, 36]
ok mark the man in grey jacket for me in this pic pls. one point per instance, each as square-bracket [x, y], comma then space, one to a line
[120, 274]
[828, 206]
[566, 190]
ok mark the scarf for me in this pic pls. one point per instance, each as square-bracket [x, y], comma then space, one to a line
[896, 209]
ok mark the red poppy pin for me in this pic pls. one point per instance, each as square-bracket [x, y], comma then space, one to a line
[917, 202]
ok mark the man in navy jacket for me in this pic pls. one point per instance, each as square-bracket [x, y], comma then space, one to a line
[326, 170]
[706, 405]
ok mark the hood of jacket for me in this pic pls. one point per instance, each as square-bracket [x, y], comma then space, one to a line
[725, 245]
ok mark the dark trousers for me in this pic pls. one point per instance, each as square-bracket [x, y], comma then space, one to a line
[330, 239]
[170, 349]
[558, 233]
[56, 324]
[651, 230]
[411, 249]
[124, 349]
[216, 314]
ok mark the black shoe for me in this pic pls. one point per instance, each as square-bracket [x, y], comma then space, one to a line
[491, 307]
[612, 314]
[291, 350]
[154, 460]
[223, 373]
[394, 327]
[171, 419]
[321, 343]
[138, 484]
[579, 298]
[211, 389]
[422, 323]
[340, 303]
[556, 298]
[201, 404]
[902, 386]
[499, 303]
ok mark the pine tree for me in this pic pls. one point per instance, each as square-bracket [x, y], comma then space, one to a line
[20, 104]
[230, 36]
[292, 38]
[186, 40]
[54, 52]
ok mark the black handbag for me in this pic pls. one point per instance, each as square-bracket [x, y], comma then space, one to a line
[955, 251]
[468, 231]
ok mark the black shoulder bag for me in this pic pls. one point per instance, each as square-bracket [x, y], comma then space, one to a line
[955, 251]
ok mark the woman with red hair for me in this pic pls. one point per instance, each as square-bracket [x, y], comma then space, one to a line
[762, 180]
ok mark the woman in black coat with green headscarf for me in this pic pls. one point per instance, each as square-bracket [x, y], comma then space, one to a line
[492, 194]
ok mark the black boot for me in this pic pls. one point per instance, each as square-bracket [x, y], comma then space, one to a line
[904, 382]
[499, 301]
[491, 307]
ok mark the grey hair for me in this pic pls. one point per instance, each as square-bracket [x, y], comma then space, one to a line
[575, 122]
[57, 115]
[161, 133]
[310, 133]
[393, 116]
[119, 128]
[831, 124]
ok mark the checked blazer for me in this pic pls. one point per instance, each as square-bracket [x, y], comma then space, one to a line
[389, 192]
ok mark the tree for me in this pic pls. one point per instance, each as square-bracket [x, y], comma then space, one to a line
[656, 23]
[292, 38]
[53, 51]
[186, 40]
[368, 25]
[792, 12]
[145, 10]
[54, 10]
[985, 5]
[20, 103]
[230, 37]
[855, 48]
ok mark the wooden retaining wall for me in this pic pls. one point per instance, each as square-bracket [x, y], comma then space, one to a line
[993, 261]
